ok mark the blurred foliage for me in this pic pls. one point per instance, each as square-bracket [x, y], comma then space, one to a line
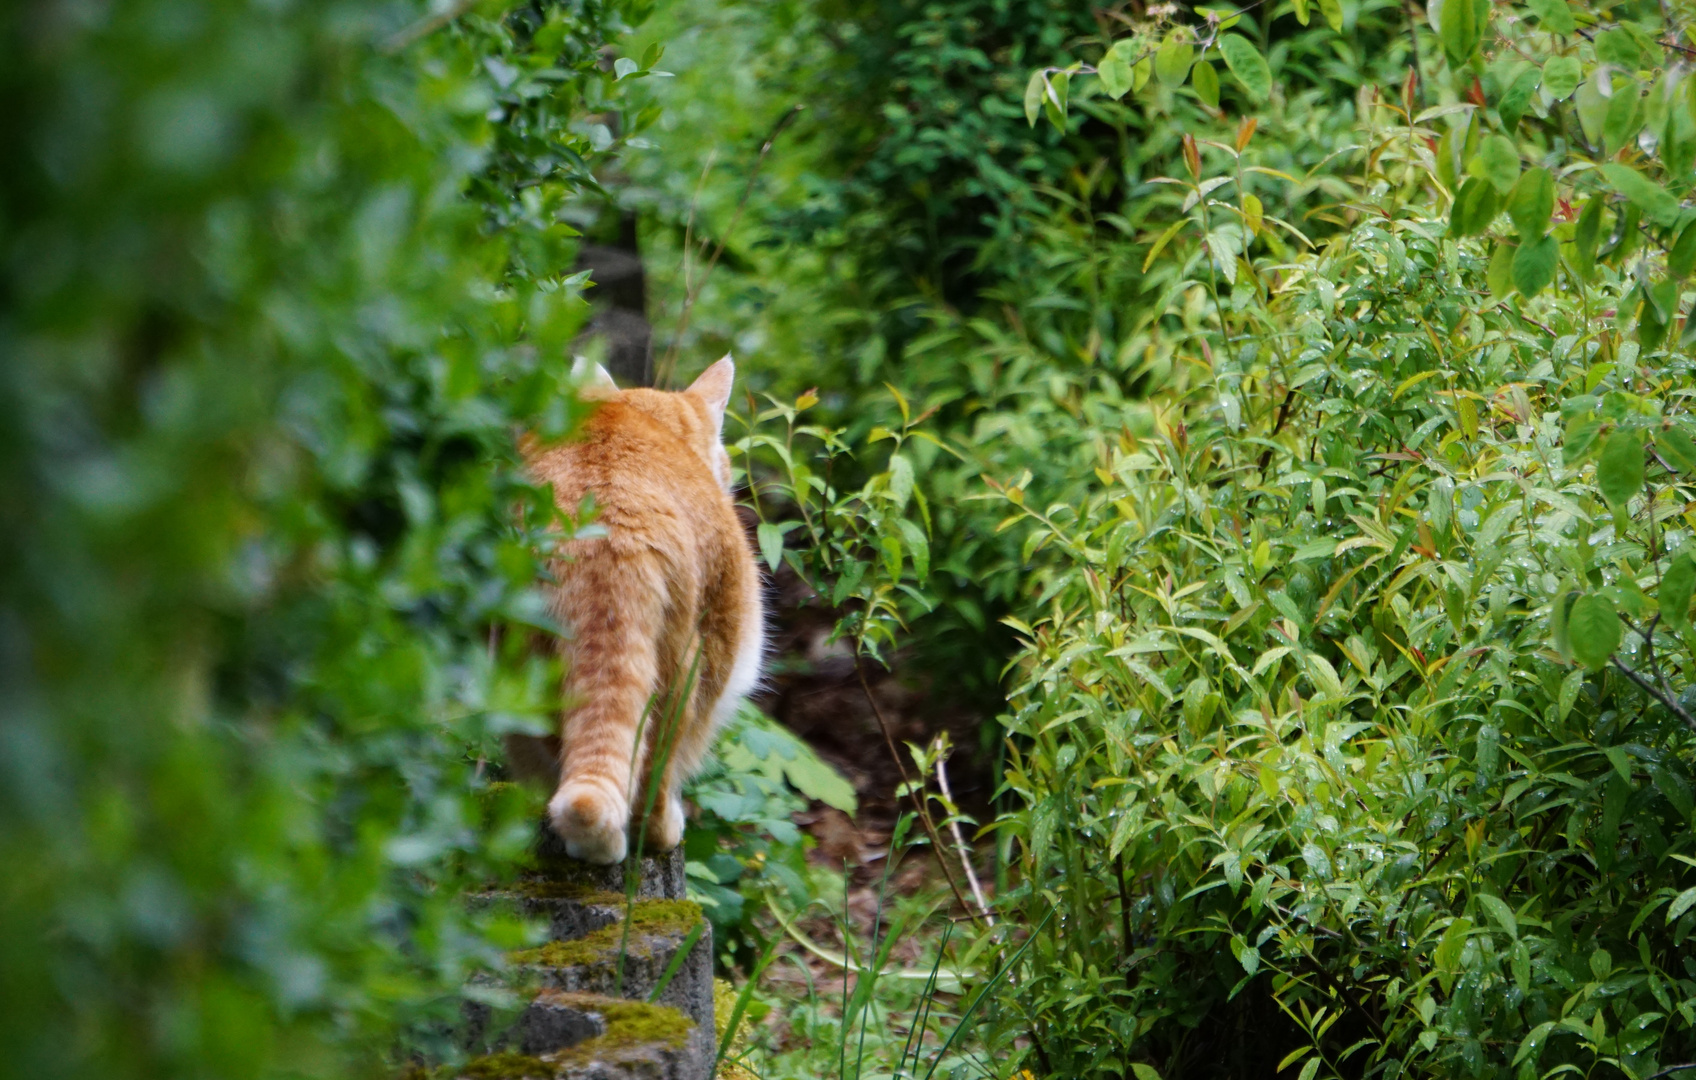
[280, 284]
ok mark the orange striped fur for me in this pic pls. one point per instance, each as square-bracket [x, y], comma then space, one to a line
[671, 591]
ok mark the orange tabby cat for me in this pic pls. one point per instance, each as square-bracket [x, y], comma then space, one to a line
[669, 593]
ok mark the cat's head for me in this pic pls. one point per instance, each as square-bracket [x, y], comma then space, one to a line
[695, 415]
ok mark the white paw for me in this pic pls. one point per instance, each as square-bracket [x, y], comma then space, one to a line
[591, 822]
[665, 828]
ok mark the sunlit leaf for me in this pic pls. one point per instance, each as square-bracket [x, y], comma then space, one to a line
[1205, 81]
[1172, 60]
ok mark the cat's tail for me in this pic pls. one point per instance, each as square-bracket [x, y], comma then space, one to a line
[613, 603]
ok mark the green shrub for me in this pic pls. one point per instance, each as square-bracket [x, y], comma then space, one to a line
[910, 227]
[1354, 721]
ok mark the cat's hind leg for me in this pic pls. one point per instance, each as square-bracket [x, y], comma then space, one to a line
[614, 602]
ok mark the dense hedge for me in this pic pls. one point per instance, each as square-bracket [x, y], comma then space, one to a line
[278, 283]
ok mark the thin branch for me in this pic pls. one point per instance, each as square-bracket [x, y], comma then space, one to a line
[960, 843]
[1649, 688]
[912, 790]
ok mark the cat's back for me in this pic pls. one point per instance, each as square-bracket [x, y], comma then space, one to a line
[648, 485]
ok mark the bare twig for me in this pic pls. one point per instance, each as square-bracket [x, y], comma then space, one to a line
[912, 791]
[960, 843]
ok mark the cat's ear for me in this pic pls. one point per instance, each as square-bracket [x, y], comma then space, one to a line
[593, 380]
[713, 387]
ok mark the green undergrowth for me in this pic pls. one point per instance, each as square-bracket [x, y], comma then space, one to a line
[647, 919]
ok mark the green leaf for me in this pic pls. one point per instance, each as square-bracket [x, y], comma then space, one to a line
[1673, 596]
[1593, 630]
[1172, 60]
[1553, 15]
[1497, 161]
[1498, 910]
[1531, 202]
[1652, 319]
[1683, 903]
[1521, 964]
[1332, 10]
[1675, 789]
[1144, 1072]
[1453, 941]
[1499, 275]
[1656, 202]
[1619, 472]
[1301, 11]
[816, 779]
[1475, 207]
[1459, 31]
[1677, 448]
[1534, 265]
[1204, 80]
[918, 547]
[1588, 233]
[771, 544]
[1561, 74]
[1592, 107]
[1115, 70]
[1054, 98]
[1033, 97]
[1517, 97]
[1623, 118]
[1247, 65]
[1619, 48]
[1682, 258]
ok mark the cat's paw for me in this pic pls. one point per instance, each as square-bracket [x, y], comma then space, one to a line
[665, 828]
[590, 821]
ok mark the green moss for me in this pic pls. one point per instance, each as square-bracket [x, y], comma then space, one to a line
[647, 918]
[507, 1065]
[629, 1024]
[552, 889]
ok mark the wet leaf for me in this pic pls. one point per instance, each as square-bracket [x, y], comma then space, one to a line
[1619, 471]
[1593, 629]
[1531, 202]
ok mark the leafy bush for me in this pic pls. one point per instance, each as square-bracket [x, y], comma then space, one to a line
[280, 283]
[1354, 718]
[743, 840]
[911, 228]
